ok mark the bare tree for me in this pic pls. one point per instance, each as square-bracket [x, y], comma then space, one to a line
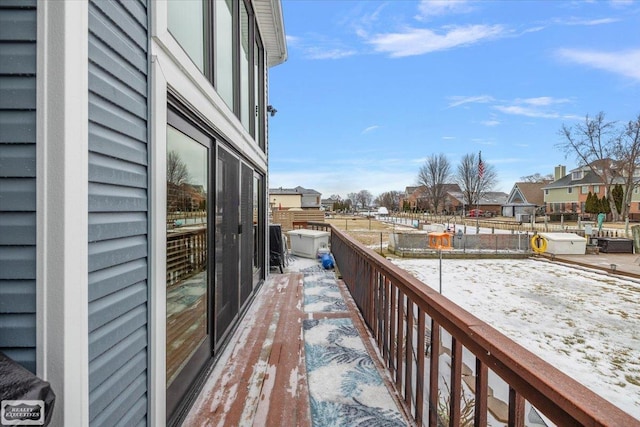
[474, 181]
[177, 171]
[353, 200]
[365, 198]
[390, 200]
[434, 174]
[628, 155]
[537, 177]
[595, 143]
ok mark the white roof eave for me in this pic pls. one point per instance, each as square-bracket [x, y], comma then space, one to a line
[271, 24]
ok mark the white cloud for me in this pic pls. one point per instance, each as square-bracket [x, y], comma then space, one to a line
[428, 8]
[490, 123]
[323, 53]
[542, 101]
[370, 129]
[625, 63]
[460, 100]
[292, 40]
[319, 47]
[418, 41]
[588, 22]
[621, 3]
[526, 111]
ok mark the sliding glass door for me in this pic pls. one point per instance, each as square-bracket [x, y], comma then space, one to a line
[188, 269]
[227, 293]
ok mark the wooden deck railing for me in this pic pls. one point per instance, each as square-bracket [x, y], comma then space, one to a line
[451, 368]
[186, 253]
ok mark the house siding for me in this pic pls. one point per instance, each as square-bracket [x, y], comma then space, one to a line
[18, 181]
[560, 195]
[118, 210]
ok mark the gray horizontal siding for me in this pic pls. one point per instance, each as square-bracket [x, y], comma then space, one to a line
[15, 329]
[118, 212]
[18, 58]
[17, 229]
[17, 92]
[17, 126]
[18, 160]
[108, 335]
[17, 194]
[110, 143]
[18, 24]
[18, 181]
[18, 296]
[103, 226]
[17, 262]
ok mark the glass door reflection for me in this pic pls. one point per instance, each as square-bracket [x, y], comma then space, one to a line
[188, 338]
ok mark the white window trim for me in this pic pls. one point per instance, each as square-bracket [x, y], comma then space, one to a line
[157, 247]
[62, 206]
[185, 78]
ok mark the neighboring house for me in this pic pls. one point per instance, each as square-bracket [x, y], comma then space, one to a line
[299, 197]
[567, 194]
[413, 198]
[491, 202]
[420, 199]
[525, 198]
[329, 204]
[107, 280]
[452, 203]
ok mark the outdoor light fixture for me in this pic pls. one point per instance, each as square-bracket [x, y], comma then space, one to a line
[271, 110]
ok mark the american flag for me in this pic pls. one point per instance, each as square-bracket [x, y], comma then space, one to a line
[480, 166]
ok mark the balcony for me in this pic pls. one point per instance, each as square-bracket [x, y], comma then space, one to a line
[438, 364]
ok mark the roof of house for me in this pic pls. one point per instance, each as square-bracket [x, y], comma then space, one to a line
[409, 190]
[293, 191]
[530, 193]
[488, 198]
[589, 178]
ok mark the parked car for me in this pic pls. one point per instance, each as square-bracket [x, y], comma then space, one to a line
[476, 213]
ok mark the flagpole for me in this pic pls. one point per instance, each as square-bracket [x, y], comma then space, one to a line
[480, 173]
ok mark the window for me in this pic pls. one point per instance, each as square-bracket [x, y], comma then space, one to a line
[584, 189]
[546, 192]
[245, 105]
[224, 50]
[186, 24]
[221, 37]
[258, 77]
[569, 190]
[576, 175]
[596, 189]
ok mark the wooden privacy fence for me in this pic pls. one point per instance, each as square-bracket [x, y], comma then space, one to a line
[451, 368]
[186, 253]
[287, 218]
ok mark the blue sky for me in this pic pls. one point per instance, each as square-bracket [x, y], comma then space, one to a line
[372, 88]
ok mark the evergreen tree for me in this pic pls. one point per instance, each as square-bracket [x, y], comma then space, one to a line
[618, 196]
[590, 205]
[604, 205]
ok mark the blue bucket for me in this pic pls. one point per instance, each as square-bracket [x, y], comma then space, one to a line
[327, 261]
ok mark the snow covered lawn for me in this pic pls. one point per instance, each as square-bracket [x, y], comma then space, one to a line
[585, 323]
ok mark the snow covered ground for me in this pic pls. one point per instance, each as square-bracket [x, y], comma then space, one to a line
[585, 323]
